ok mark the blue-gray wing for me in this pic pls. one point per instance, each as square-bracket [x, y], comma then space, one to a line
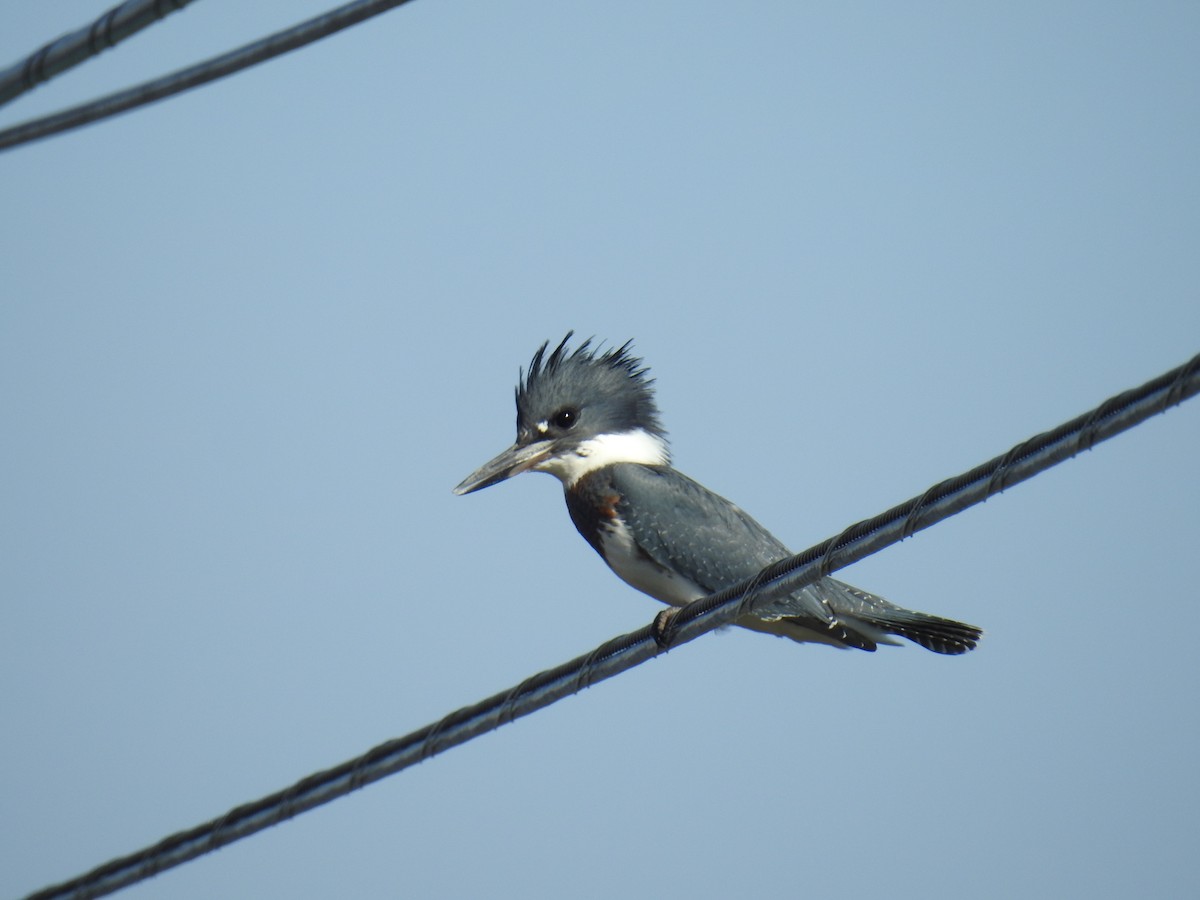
[684, 527]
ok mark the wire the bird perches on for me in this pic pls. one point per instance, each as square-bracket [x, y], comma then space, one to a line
[939, 502]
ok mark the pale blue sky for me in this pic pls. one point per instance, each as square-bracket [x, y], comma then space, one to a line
[252, 336]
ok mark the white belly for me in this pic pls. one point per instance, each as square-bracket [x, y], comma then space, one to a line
[636, 569]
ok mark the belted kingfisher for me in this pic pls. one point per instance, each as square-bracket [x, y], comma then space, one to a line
[589, 418]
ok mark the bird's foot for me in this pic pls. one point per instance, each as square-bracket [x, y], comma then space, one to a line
[664, 628]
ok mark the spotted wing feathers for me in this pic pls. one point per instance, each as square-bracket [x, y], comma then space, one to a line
[682, 526]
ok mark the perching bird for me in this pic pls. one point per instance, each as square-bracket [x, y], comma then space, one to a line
[589, 418]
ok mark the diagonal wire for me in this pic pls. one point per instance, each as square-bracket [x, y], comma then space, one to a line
[77, 46]
[211, 69]
[941, 501]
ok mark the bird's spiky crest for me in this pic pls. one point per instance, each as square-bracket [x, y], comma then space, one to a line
[623, 375]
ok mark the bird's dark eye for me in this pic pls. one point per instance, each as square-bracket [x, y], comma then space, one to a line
[565, 418]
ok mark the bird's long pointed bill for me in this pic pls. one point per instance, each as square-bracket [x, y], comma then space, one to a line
[513, 461]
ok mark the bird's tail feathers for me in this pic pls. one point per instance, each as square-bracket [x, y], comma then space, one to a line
[850, 617]
[932, 632]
